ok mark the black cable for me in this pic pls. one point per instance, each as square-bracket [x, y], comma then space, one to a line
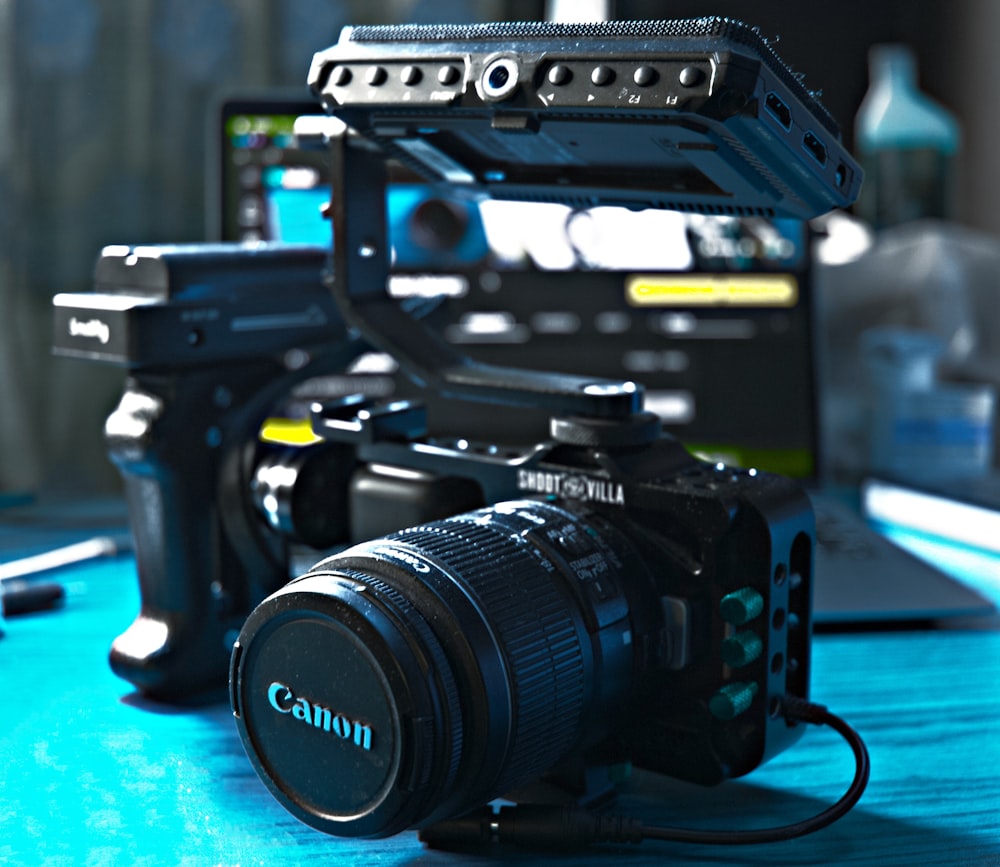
[569, 827]
[801, 711]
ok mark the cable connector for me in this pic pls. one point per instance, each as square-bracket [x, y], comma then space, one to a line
[798, 709]
[532, 826]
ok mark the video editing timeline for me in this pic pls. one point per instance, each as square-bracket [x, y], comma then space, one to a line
[721, 338]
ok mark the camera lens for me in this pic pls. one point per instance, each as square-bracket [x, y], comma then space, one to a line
[292, 486]
[420, 675]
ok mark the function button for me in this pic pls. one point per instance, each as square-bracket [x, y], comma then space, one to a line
[410, 75]
[341, 76]
[645, 76]
[447, 74]
[691, 76]
[559, 74]
[602, 75]
[376, 75]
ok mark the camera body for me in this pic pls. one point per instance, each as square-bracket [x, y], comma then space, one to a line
[511, 617]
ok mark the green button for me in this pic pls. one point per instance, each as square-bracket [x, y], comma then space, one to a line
[741, 606]
[742, 648]
[732, 700]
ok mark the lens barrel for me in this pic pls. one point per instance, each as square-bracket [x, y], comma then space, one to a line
[420, 675]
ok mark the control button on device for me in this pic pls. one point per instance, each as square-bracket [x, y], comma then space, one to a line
[691, 76]
[376, 75]
[410, 75]
[732, 700]
[602, 75]
[341, 76]
[447, 75]
[559, 74]
[741, 606]
[741, 649]
[645, 76]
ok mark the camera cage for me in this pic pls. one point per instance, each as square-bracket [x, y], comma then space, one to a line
[359, 283]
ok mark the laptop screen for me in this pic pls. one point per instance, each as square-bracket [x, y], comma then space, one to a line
[263, 187]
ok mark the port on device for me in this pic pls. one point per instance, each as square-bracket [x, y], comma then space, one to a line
[815, 147]
[778, 110]
[500, 78]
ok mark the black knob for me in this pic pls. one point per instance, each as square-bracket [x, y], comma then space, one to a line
[447, 75]
[691, 76]
[410, 75]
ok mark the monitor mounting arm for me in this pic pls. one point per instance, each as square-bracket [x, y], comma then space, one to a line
[359, 282]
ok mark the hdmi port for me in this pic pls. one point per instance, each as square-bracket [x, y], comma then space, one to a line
[778, 110]
[815, 147]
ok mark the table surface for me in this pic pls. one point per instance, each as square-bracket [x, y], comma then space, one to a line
[92, 773]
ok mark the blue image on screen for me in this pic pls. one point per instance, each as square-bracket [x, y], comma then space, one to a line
[296, 216]
[295, 199]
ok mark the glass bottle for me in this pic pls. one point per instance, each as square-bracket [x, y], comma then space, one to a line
[906, 143]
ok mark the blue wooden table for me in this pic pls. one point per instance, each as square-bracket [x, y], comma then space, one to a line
[90, 773]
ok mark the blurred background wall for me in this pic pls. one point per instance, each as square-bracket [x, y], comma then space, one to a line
[104, 106]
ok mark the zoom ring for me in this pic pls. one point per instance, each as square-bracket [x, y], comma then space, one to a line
[534, 625]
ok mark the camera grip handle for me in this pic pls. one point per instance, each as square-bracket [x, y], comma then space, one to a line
[177, 448]
[186, 444]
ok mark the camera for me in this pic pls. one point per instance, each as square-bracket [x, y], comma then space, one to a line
[509, 622]
[493, 620]
[604, 597]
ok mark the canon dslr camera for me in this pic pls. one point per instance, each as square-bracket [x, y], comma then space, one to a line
[513, 622]
[633, 603]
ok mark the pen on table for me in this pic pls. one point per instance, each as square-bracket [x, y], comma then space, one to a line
[21, 596]
[66, 555]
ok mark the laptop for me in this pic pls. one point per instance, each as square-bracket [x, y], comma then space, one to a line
[720, 306]
[260, 184]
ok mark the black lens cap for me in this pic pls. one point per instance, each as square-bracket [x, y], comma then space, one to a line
[329, 693]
